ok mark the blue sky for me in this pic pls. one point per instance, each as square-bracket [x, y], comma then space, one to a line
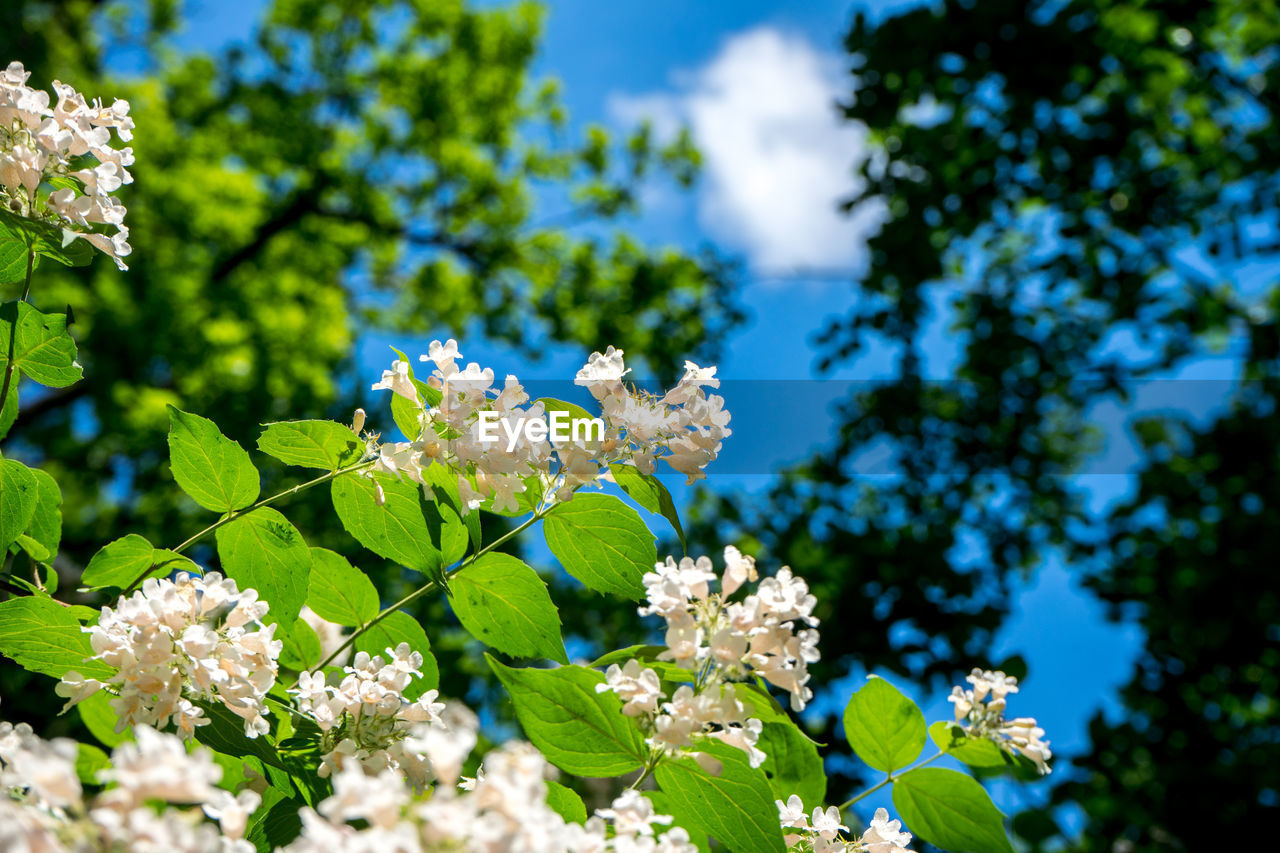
[756, 81]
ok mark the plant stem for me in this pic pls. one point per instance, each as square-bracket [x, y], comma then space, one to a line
[431, 584]
[886, 781]
[13, 333]
[232, 516]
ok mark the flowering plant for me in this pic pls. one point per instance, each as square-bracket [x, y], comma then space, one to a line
[279, 703]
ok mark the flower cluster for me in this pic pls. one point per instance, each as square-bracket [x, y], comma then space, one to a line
[43, 808]
[717, 642]
[176, 641]
[685, 423]
[482, 432]
[824, 834]
[980, 712]
[503, 809]
[65, 147]
[366, 721]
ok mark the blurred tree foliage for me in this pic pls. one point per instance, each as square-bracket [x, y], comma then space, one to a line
[358, 166]
[1046, 169]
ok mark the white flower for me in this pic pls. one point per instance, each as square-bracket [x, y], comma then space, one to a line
[39, 145]
[638, 687]
[827, 823]
[791, 814]
[980, 712]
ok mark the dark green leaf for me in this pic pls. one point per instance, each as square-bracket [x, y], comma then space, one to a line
[578, 730]
[211, 468]
[601, 542]
[504, 604]
[46, 521]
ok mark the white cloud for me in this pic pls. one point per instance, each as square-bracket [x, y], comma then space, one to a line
[778, 158]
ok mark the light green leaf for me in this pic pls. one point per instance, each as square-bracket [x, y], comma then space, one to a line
[46, 521]
[793, 765]
[397, 628]
[736, 807]
[301, 649]
[42, 349]
[648, 491]
[443, 483]
[37, 552]
[101, 719]
[566, 803]
[885, 728]
[950, 810]
[211, 468]
[19, 492]
[89, 760]
[974, 751]
[397, 530]
[9, 411]
[46, 239]
[13, 258]
[42, 635]
[119, 563]
[312, 444]
[504, 604]
[602, 542]
[578, 730]
[339, 592]
[263, 551]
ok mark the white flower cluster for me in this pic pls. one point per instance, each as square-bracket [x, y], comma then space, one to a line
[366, 721]
[685, 423]
[980, 712]
[42, 807]
[460, 432]
[175, 641]
[40, 146]
[823, 835]
[718, 642]
[503, 810]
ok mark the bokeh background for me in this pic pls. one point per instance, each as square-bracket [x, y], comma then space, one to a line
[993, 285]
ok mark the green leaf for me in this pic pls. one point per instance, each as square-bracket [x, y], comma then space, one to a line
[566, 803]
[950, 810]
[37, 552]
[405, 413]
[578, 730]
[648, 491]
[662, 805]
[19, 492]
[602, 542]
[647, 655]
[399, 627]
[46, 522]
[885, 728]
[42, 348]
[275, 823]
[301, 649]
[973, 751]
[312, 444]
[444, 486]
[101, 720]
[504, 604]
[211, 468]
[13, 258]
[225, 734]
[736, 807]
[9, 411]
[46, 239]
[262, 550]
[793, 765]
[339, 592]
[397, 530]
[89, 760]
[119, 563]
[41, 635]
